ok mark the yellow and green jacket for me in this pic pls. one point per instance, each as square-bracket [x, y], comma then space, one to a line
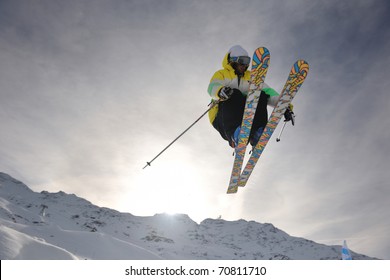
[227, 77]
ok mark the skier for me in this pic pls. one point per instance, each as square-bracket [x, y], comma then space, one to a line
[230, 87]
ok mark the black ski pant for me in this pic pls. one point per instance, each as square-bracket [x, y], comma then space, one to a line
[231, 111]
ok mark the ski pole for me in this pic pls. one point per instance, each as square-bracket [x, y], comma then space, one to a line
[281, 131]
[288, 117]
[148, 163]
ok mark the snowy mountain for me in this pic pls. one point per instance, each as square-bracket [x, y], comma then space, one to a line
[63, 226]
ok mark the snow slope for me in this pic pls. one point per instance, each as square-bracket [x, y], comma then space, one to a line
[63, 226]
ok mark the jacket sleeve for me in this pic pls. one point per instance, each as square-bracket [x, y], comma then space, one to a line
[216, 83]
[273, 95]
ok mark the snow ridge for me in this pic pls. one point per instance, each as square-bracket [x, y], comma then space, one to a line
[63, 226]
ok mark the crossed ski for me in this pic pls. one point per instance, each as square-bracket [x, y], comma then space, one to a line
[260, 62]
[294, 81]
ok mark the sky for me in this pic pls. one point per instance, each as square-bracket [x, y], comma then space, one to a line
[91, 91]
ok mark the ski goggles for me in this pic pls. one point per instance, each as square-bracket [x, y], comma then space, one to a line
[244, 60]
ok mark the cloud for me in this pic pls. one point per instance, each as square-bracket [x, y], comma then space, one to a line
[89, 93]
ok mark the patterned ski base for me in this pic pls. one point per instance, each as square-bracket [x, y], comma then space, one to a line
[260, 62]
[295, 79]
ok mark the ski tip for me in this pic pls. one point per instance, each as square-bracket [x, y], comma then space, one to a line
[303, 64]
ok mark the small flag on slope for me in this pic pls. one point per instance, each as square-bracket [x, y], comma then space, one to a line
[345, 254]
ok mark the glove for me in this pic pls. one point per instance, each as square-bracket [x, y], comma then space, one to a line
[225, 93]
[289, 114]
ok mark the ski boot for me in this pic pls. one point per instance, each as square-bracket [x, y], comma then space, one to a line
[234, 138]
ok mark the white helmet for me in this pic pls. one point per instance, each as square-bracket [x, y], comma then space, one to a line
[238, 55]
[237, 50]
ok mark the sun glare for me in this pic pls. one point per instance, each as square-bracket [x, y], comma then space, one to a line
[165, 189]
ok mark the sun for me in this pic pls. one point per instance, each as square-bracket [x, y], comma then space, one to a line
[170, 188]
